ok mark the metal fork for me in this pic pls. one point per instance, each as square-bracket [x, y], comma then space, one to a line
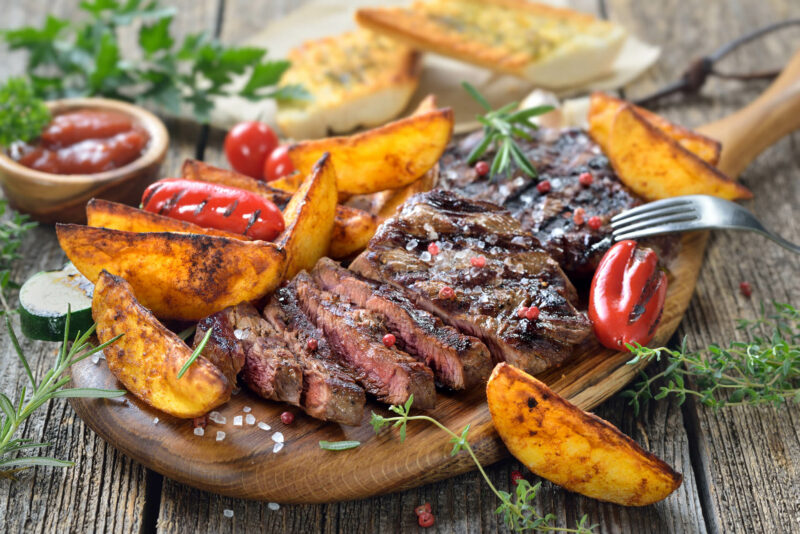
[690, 212]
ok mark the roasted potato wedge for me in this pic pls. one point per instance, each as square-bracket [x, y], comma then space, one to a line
[654, 166]
[392, 200]
[289, 183]
[387, 157]
[309, 218]
[107, 214]
[572, 448]
[148, 357]
[603, 108]
[353, 228]
[177, 276]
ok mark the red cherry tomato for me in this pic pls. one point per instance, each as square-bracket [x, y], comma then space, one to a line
[247, 146]
[215, 206]
[278, 164]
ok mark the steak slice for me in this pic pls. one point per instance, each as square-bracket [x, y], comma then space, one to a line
[330, 393]
[355, 335]
[560, 157]
[458, 361]
[222, 348]
[486, 300]
[269, 369]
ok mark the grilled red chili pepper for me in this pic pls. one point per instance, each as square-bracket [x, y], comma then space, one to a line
[215, 206]
[627, 296]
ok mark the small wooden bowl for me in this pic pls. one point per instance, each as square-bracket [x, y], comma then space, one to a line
[54, 198]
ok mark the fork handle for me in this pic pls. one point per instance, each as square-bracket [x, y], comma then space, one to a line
[747, 132]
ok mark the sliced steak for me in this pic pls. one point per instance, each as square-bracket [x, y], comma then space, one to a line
[482, 301]
[222, 348]
[560, 157]
[457, 360]
[355, 335]
[329, 391]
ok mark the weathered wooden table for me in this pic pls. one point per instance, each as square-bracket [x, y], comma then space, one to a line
[741, 466]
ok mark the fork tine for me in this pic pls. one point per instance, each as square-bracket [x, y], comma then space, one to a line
[662, 229]
[650, 206]
[672, 210]
[656, 221]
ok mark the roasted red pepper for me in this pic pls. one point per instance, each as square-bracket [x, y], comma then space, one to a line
[215, 206]
[627, 296]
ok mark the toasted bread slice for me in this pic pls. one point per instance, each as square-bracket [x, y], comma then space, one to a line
[355, 79]
[551, 47]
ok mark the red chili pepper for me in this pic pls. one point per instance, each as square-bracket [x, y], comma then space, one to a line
[627, 296]
[215, 206]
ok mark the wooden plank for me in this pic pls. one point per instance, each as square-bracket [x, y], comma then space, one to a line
[105, 491]
[748, 458]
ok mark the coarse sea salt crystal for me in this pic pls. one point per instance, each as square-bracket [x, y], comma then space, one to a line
[411, 245]
[518, 240]
[155, 420]
[246, 409]
[425, 256]
[263, 426]
[277, 437]
[237, 420]
[227, 513]
[220, 435]
[481, 245]
[217, 417]
[277, 447]
[274, 506]
[250, 419]
[238, 334]
[447, 245]
[199, 431]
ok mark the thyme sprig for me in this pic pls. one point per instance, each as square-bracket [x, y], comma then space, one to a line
[764, 370]
[518, 511]
[500, 128]
[51, 386]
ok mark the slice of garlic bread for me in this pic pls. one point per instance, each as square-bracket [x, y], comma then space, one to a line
[355, 79]
[552, 47]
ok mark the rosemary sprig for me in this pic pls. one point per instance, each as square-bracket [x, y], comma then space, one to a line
[519, 513]
[51, 386]
[338, 445]
[765, 370]
[195, 353]
[500, 128]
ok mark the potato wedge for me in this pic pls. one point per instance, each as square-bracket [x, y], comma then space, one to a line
[654, 166]
[148, 357]
[353, 228]
[394, 199]
[309, 218]
[289, 183]
[177, 276]
[107, 214]
[572, 448]
[387, 157]
[603, 108]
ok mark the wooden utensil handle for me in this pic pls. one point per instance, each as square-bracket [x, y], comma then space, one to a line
[746, 133]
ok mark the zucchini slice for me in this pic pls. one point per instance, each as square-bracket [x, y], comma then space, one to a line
[44, 299]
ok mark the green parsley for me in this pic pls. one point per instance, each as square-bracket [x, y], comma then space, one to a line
[23, 116]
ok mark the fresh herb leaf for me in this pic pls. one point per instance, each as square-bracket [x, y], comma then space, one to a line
[764, 370]
[500, 129]
[519, 514]
[23, 116]
[338, 445]
[197, 351]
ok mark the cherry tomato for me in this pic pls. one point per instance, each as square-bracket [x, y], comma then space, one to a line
[278, 164]
[247, 146]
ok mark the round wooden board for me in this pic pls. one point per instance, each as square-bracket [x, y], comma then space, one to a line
[243, 463]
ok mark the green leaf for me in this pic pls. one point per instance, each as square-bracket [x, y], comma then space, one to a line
[338, 445]
[30, 461]
[459, 442]
[476, 95]
[264, 75]
[8, 407]
[89, 393]
[195, 353]
[377, 422]
[156, 37]
[105, 63]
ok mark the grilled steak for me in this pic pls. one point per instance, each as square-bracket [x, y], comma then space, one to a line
[329, 392]
[458, 361]
[222, 348]
[560, 157]
[355, 335]
[482, 301]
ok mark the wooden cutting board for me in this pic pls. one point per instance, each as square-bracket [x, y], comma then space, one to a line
[244, 465]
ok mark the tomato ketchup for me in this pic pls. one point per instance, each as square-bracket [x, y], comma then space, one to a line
[85, 141]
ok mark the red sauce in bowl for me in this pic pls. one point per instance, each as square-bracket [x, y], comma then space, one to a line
[86, 141]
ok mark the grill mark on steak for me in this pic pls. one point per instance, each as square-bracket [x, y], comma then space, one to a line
[517, 273]
[329, 391]
[458, 361]
[559, 156]
[355, 335]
